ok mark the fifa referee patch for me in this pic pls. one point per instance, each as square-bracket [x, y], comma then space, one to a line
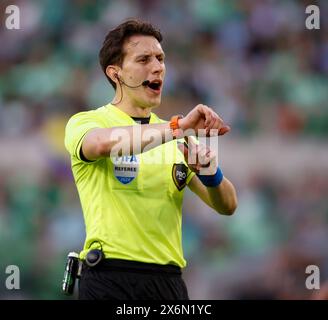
[179, 175]
[126, 168]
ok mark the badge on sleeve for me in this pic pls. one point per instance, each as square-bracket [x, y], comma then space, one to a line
[179, 175]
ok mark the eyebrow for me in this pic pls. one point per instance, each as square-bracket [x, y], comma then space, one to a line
[143, 55]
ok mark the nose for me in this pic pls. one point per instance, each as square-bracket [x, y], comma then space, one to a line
[157, 66]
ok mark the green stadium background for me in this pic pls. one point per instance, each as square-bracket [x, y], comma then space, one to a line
[254, 62]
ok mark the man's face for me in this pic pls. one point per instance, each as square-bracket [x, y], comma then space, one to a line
[143, 60]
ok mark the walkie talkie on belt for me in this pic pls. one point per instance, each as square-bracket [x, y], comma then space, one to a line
[71, 273]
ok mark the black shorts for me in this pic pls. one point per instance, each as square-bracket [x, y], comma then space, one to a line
[114, 279]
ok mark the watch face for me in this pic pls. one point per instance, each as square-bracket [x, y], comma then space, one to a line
[179, 175]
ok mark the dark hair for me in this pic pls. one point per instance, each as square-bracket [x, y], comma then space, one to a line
[112, 53]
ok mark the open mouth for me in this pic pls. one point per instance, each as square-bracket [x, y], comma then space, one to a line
[155, 85]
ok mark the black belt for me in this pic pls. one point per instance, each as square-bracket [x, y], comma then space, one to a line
[135, 266]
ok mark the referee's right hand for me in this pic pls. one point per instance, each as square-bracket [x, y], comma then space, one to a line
[204, 118]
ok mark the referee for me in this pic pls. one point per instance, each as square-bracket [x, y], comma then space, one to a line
[131, 186]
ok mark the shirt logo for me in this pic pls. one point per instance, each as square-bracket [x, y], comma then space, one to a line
[126, 168]
[179, 175]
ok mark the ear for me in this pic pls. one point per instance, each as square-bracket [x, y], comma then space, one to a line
[112, 73]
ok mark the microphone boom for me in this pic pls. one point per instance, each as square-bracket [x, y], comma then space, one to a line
[144, 84]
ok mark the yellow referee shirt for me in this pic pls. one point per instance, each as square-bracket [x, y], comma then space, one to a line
[132, 205]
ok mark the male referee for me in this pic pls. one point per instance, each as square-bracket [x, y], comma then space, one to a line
[132, 200]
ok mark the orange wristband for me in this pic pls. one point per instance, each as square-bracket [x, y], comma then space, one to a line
[174, 125]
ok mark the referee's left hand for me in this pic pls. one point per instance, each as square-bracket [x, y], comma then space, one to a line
[200, 158]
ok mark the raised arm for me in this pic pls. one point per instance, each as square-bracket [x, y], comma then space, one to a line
[126, 140]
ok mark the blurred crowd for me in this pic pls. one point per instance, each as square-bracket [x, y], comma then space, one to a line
[253, 61]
